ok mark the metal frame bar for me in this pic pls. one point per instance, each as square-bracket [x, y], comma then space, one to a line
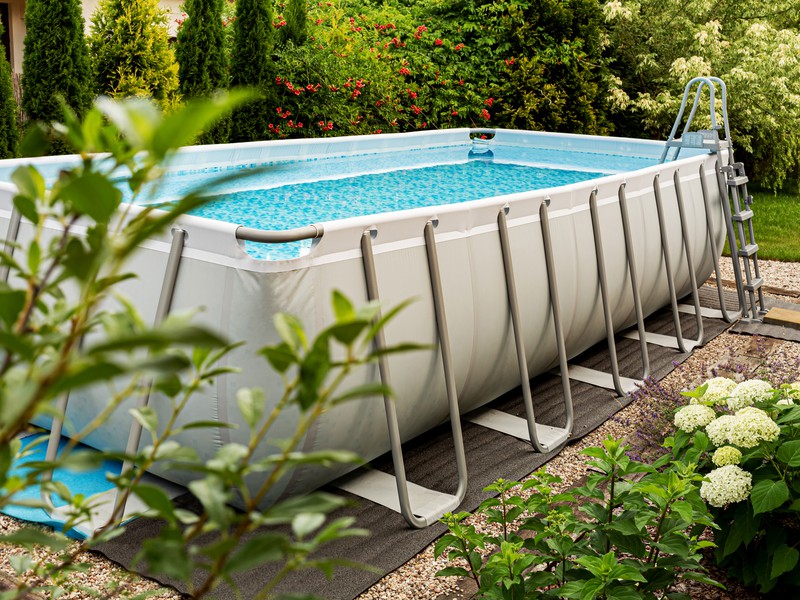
[676, 179]
[519, 342]
[135, 432]
[601, 275]
[264, 236]
[11, 237]
[637, 298]
[676, 319]
[555, 305]
[370, 275]
[714, 249]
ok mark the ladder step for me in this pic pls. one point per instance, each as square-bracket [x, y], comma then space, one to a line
[737, 180]
[754, 284]
[602, 379]
[749, 250]
[381, 488]
[549, 437]
[743, 216]
[665, 341]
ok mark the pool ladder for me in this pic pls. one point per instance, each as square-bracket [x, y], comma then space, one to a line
[732, 182]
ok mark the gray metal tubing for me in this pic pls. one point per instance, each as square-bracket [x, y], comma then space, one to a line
[689, 262]
[725, 122]
[637, 298]
[162, 310]
[391, 413]
[11, 236]
[714, 250]
[53, 442]
[447, 360]
[601, 275]
[264, 236]
[732, 241]
[555, 304]
[701, 82]
[519, 342]
[668, 265]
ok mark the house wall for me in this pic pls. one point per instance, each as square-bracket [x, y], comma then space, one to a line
[17, 24]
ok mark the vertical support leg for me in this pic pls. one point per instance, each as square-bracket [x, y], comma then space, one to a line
[601, 275]
[11, 236]
[555, 305]
[447, 502]
[676, 178]
[668, 265]
[713, 242]
[162, 310]
[732, 242]
[637, 299]
[447, 360]
[513, 305]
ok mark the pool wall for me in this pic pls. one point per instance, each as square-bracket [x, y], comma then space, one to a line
[238, 294]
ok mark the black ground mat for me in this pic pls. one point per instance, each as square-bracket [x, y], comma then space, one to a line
[430, 463]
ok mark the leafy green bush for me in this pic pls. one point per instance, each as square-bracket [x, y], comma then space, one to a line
[202, 61]
[9, 131]
[54, 342]
[658, 46]
[746, 437]
[252, 66]
[56, 61]
[130, 51]
[636, 536]
[296, 28]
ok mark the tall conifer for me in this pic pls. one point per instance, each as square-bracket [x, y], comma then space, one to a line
[252, 66]
[56, 60]
[296, 16]
[203, 68]
[9, 134]
[130, 51]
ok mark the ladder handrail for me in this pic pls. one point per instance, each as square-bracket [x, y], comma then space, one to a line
[710, 82]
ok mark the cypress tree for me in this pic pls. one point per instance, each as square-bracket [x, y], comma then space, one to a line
[130, 51]
[56, 61]
[9, 133]
[203, 68]
[296, 29]
[252, 66]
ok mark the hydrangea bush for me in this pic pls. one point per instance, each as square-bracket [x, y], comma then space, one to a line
[745, 437]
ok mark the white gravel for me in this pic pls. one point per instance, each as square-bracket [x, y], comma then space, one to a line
[774, 273]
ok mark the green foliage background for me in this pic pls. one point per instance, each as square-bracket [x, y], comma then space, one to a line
[130, 51]
[203, 65]
[9, 132]
[56, 61]
[252, 66]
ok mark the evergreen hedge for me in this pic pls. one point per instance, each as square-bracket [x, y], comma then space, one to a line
[252, 66]
[203, 68]
[56, 61]
[296, 29]
[9, 133]
[130, 51]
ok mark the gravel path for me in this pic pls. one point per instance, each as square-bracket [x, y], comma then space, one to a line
[415, 580]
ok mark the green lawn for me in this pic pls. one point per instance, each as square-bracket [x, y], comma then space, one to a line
[777, 225]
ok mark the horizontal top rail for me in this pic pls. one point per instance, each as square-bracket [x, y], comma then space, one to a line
[309, 232]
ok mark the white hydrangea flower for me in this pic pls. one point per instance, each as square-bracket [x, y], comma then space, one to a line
[794, 390]
[727, 455]
[751, 426]
[785, 402]
[719, 429]
[726, 485]
[694, 416]
[749, 392]
[719, 388]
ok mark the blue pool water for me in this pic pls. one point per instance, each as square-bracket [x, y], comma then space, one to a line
[297, 205]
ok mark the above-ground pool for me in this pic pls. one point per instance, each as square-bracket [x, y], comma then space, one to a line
[395, 187]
